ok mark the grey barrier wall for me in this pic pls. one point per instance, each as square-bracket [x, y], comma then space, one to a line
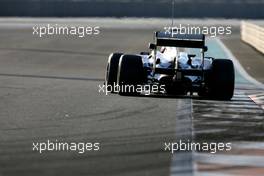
[129, 8]
[253, 34]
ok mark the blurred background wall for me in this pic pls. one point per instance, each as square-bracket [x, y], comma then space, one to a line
[133, 8]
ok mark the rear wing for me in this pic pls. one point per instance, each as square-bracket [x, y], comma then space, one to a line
[180, 40]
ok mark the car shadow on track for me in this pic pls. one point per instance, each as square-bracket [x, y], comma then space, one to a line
[169, 96]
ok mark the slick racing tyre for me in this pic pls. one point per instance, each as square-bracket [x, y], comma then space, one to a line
[222, 79]
[112, 69]
[130, 74]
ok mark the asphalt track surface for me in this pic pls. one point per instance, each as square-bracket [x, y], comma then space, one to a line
[49, 91]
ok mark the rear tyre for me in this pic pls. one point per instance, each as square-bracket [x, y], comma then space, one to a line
[111, 70]
[222, 80]
[130, 74]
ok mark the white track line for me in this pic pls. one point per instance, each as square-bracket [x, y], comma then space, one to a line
[232, 160]
[176, 163]
[239, 67]
[182, 163]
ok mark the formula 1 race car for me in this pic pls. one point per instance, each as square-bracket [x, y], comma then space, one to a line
[172, 67]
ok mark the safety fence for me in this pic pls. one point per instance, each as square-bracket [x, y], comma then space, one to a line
[241, 9]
